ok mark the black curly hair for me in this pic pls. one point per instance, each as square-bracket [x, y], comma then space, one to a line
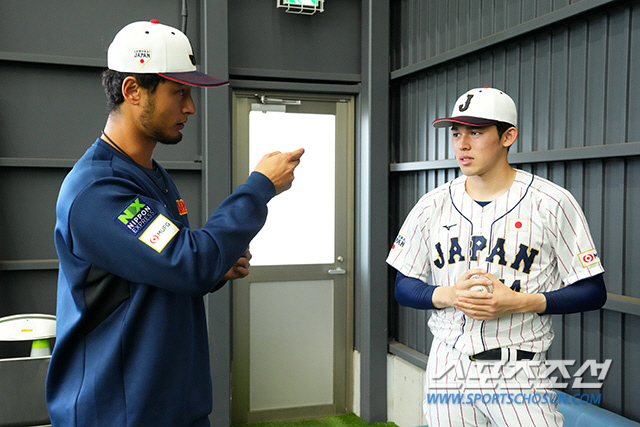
[112, 84]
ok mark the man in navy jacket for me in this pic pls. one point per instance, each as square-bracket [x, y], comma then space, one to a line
[131, 346]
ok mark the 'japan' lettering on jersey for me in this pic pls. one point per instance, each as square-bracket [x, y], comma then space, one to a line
[534, 238]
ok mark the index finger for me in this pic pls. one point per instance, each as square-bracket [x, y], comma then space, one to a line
[295, 155]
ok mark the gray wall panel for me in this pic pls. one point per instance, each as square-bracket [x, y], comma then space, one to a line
[617, 75]
[264, 40]
[593, 199]
[630, 369]
[75, 28]
[612, 348]
[49, 112]
[28, 292]
[444, 25]
[595, 80]
[28, 197]
[559, 82]
[555, 352]
[613, 255]
[633, 98]
[631, 213]
[577, 83]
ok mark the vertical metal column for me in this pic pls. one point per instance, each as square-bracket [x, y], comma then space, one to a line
[371, 210]
[216, 186]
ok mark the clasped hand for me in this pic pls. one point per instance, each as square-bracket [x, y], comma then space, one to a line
[483, 305]
[241, 268]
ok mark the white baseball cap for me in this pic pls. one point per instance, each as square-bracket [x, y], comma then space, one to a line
[155, 48]
[481, 107]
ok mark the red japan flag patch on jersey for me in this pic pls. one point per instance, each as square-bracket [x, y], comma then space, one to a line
[519, 224]
[398, 243]
[589, 258]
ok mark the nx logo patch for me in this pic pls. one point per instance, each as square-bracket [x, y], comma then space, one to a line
[136, 216]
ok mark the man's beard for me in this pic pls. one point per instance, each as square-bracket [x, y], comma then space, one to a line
[161, 137]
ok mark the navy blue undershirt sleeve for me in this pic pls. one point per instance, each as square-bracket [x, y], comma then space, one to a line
[583, 295]
[414, 293]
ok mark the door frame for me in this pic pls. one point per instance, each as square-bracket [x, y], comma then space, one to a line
[345, 119]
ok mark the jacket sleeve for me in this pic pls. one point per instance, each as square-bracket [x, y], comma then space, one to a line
[118, 229]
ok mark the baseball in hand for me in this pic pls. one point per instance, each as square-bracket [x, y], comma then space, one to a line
[480, 288]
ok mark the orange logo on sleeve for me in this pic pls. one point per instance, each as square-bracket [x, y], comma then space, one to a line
[181, 207]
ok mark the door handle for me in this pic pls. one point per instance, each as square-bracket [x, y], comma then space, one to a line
[337, 271]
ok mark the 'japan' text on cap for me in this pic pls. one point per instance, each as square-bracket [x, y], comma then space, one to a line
[154, 48]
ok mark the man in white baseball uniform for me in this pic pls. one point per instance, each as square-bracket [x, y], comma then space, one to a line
[493, 253]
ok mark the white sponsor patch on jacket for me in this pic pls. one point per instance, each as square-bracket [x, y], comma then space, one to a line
[159, 233]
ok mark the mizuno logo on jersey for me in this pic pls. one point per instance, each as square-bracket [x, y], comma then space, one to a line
[448, 227]
[521, 261]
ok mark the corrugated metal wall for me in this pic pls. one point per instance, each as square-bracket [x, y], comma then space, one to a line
[572, 68]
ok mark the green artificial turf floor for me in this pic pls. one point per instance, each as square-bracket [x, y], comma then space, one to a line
[347, 420]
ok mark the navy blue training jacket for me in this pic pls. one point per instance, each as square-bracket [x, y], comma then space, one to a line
[131, 346]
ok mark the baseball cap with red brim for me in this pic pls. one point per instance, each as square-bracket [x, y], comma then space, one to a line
[154, 48]
[481, 107]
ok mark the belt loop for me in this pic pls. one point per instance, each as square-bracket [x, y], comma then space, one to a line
[513, 355]
[504, 355]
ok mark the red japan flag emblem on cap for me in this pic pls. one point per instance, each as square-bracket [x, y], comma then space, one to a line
[142, 56]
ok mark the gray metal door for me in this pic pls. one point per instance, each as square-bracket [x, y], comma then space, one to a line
[292, 317]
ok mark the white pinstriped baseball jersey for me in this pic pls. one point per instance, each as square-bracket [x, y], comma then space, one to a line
[534, 237]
